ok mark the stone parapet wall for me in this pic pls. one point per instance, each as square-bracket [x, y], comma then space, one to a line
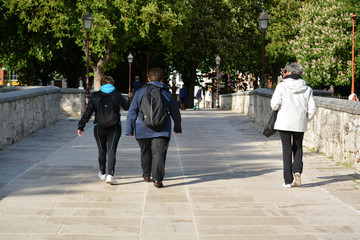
[24, 110]
[334, 131]
[72, 102]
[238, 102]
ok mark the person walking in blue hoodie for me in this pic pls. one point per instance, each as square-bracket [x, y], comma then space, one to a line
[153, 142]
[107, 138]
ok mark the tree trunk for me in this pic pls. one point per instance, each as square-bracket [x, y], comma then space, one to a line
[98, 74]
[275, 72]
[97, 63]
[28, 77]
[190, 84]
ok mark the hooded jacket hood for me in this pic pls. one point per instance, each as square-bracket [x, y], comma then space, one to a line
[295, 84]
[107, 88]
[158, 84]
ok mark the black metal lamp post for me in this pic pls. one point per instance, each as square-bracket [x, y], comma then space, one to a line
[263, 21]
[130, 59]
[217, 60]
[87, 21]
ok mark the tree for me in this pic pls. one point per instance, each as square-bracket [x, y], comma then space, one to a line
[353, 6]
[323, 44]
[117, 25]
[245, 48]
[284, 15]
[38, 55]
[227, 28]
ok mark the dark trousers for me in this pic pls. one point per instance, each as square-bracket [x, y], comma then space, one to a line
[153, 157]
[292, 154]
[107, 140]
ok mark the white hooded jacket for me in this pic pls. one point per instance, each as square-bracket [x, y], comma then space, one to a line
[296, 104]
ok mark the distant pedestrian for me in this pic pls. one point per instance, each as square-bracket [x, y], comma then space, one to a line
[208, 98]
[296, 106]
[153, 141]
[106, 104]
[199, 98]
[136, 84]
[183, 96]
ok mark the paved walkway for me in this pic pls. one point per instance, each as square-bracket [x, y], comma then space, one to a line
[223, 182]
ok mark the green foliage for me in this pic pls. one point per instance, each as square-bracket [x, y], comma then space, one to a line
[244, 48]
[184, 35]
[323, 44]
[284, 16]
[117, 25]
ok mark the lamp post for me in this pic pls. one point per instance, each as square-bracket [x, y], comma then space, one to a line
[352, 61]
[263, 22]
[87, 21]
[130, 59]
[217, 60]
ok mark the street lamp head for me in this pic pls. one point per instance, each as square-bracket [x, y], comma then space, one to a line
[264, 21]
[354, 17]
[130, 58]
[87, 20]
[217, 60]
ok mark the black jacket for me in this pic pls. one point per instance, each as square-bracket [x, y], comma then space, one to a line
[117, 98]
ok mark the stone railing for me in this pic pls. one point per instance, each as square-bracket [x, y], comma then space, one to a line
[24, 110]
[72, 102]
[334, 131]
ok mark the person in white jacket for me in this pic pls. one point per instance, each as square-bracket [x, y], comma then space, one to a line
[296, 105]
[208, 98]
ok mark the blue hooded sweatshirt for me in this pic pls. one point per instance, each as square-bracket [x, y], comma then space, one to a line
[135, 124]
[107, 88]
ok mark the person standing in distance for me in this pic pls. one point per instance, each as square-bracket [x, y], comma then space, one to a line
[183, 96]
[153, 142]
[208, 98]
[107, 127]
[199, 98]
[296, 106]
[136, 84]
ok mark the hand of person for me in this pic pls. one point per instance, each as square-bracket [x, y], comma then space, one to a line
[80, 133]
[177, 133]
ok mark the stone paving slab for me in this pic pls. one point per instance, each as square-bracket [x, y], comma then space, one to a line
[223, 182]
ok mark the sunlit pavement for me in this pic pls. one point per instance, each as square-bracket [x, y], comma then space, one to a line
[223, 182]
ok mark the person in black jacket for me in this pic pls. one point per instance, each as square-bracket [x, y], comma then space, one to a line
[107, 138]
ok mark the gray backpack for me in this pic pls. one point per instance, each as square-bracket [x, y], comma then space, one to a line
[152, 110]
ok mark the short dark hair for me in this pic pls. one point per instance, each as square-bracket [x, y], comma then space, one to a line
[155, 74]
[106, 80]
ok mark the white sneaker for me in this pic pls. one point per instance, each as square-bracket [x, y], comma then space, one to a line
[111, 180]
[102, 176]
[297, 181]
[287, 185]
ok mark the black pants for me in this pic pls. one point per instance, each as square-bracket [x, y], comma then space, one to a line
[107, 140]
[292, 154]
[153, 157]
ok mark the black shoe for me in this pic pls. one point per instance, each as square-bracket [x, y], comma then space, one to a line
[158, 184]
[146, 179]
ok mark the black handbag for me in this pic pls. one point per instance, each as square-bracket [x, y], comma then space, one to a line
[269, 127]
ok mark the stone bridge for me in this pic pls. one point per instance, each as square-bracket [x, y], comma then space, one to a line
[334, 132]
